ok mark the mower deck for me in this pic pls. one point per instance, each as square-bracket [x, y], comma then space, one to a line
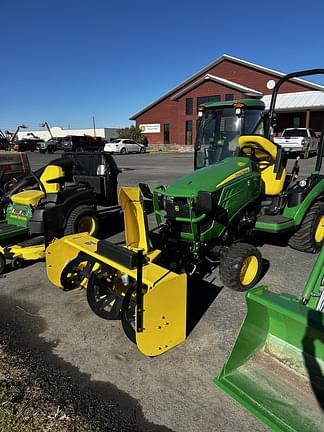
[10, 230]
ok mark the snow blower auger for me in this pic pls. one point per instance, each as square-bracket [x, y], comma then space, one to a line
[124, 281]
[276, 368]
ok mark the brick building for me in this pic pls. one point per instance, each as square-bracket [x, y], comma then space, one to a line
[172, 118]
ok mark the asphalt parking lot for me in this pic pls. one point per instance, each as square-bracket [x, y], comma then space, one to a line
[174, 390]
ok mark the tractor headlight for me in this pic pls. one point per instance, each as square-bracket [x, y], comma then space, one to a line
[206, 202]
[167, 201]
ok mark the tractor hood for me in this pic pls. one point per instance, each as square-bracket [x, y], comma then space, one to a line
[209, 178]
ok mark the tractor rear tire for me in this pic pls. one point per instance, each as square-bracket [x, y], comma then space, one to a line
[240, 266]
[309, 237]
[82, 219]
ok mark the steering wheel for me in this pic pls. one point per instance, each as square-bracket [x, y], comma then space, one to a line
[264, 157]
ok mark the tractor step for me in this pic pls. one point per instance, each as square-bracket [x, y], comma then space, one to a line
[277, 219]
[274, 223]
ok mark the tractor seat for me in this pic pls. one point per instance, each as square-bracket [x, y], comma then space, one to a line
[272, 182]
[28, 197]
[51, 179]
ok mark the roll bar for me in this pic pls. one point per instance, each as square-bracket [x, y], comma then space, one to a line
[275, 91]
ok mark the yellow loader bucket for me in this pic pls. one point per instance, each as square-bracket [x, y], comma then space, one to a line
[276, 367]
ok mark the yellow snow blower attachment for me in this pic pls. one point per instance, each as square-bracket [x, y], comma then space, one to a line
[125, 281]
[276, 368]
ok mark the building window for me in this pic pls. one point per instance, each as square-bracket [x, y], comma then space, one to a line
[229, 97]
[205, 99]
[166, 133]
[189, 106]
[189, 132]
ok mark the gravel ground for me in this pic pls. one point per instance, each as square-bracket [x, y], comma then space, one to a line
[39, 391]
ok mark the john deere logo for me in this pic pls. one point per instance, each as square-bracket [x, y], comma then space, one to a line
[241, 163]
[177, 208]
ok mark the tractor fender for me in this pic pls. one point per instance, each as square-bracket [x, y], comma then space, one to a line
[298, 212]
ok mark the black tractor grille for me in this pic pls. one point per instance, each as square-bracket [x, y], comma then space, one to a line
[177, 207]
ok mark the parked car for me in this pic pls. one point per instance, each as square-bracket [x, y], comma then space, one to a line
[123, 146]
[301, 140]
[50, 146]
[82, 143]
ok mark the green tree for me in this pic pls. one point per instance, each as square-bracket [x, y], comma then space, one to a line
[133, 133]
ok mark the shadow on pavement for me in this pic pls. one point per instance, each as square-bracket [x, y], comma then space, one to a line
[200, 295]
[100, 404]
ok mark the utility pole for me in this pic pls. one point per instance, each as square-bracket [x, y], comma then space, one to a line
[94, 126]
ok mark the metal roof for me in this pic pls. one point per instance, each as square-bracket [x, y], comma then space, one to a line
[312, 100]
[214, 63]
[247, 90]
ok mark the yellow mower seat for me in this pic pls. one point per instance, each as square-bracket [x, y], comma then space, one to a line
[273, 182]
[32, 197]
[28, 197]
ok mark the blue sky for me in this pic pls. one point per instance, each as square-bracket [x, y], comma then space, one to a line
[64, 61]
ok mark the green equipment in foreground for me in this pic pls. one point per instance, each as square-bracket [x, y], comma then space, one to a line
[276, 368]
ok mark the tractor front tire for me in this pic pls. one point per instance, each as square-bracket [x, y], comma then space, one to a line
[82, 219]
[240, 266]
[309, 237]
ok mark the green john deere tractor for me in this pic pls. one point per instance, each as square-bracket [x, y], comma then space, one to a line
[240, 185]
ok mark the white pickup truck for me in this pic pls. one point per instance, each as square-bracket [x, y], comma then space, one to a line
[301, 140]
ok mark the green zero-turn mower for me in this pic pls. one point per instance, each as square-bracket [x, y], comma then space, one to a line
[276, 368]
[60, 198]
